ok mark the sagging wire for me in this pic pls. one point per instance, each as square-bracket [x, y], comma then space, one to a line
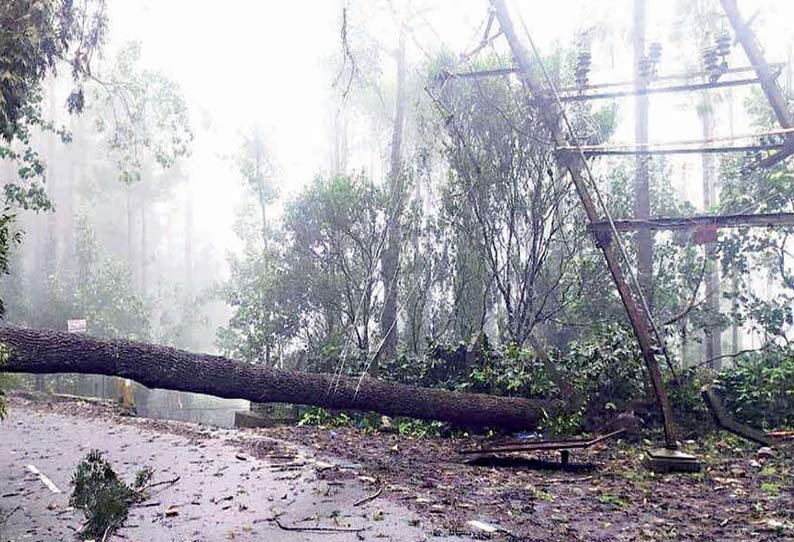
[601, 202]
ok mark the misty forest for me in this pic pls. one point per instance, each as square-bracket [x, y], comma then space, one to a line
[396, 269]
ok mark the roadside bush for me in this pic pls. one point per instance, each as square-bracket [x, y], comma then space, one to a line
[606, 369]
[759, 388]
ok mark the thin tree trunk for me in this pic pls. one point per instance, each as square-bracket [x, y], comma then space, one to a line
[390, 259]
[642, 200]
[130, 221]
[713, 346]
[40, 352]
[735, 331]
[143, 255]
[189, 240]
[339, 142]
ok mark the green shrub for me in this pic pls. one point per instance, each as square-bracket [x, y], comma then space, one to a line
[606, 369]
[685, 397]
[759, 388]
[318, 416]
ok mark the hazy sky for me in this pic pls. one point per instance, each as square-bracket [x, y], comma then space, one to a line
[243, 63]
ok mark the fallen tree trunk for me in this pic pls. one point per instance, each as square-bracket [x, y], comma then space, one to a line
[36, 351]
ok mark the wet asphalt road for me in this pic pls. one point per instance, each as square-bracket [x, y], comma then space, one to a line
[219, 496]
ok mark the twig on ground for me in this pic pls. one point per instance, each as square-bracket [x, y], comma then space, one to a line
[567, 480]
[110, 529]
[317, 529]
[145, 504]
[369, 497]
[161, 483]
[11, 513]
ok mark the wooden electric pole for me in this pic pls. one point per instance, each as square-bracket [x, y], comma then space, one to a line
[574, 163]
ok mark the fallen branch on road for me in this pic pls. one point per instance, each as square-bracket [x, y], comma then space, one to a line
[318, 529]
[369, 498]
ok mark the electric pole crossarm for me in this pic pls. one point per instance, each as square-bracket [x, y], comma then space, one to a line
[682, 223]
[574, 165]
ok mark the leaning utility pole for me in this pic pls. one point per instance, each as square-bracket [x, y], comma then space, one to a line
[765, 76]
[552, 113]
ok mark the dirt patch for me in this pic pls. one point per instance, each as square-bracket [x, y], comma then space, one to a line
[610, 496]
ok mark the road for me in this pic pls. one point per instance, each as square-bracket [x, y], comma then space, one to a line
[222, 494]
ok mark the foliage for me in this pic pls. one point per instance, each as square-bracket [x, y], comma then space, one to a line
[8, 239]
[262, 316]
[759, 388]
[419, 428]
[517, 371]
[318, 416]
[258, 290]
[561, 423]
[102, 496]
[37, 35]
[750, 254]
[686, 398]
[145, 116]
[408, 427]
[99, 290]
[334, 229]
[102, 293]
[515, 221]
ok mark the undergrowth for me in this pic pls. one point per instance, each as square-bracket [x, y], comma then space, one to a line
[607, 374]
[759, 388]
[410, 427]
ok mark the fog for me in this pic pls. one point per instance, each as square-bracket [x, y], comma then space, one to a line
[277, 76]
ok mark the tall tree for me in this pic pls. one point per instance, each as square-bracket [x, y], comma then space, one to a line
[713, 331]
[257, 168]
[145, 118]
[642, 198]
[390, 259]
[36, 35]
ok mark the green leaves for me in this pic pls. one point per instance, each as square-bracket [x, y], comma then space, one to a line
[145, 116]
[102, 496]
[759, 388]
[37, 34]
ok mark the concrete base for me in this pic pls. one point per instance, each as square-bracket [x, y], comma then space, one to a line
[667, 460]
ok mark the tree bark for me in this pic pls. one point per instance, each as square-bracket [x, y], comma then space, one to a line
[39, 352]
[713, 338]
[144, 235]
[390, 260]
[642, 199]
[189, 239]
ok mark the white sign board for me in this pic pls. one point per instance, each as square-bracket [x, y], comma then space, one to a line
[75, 326]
